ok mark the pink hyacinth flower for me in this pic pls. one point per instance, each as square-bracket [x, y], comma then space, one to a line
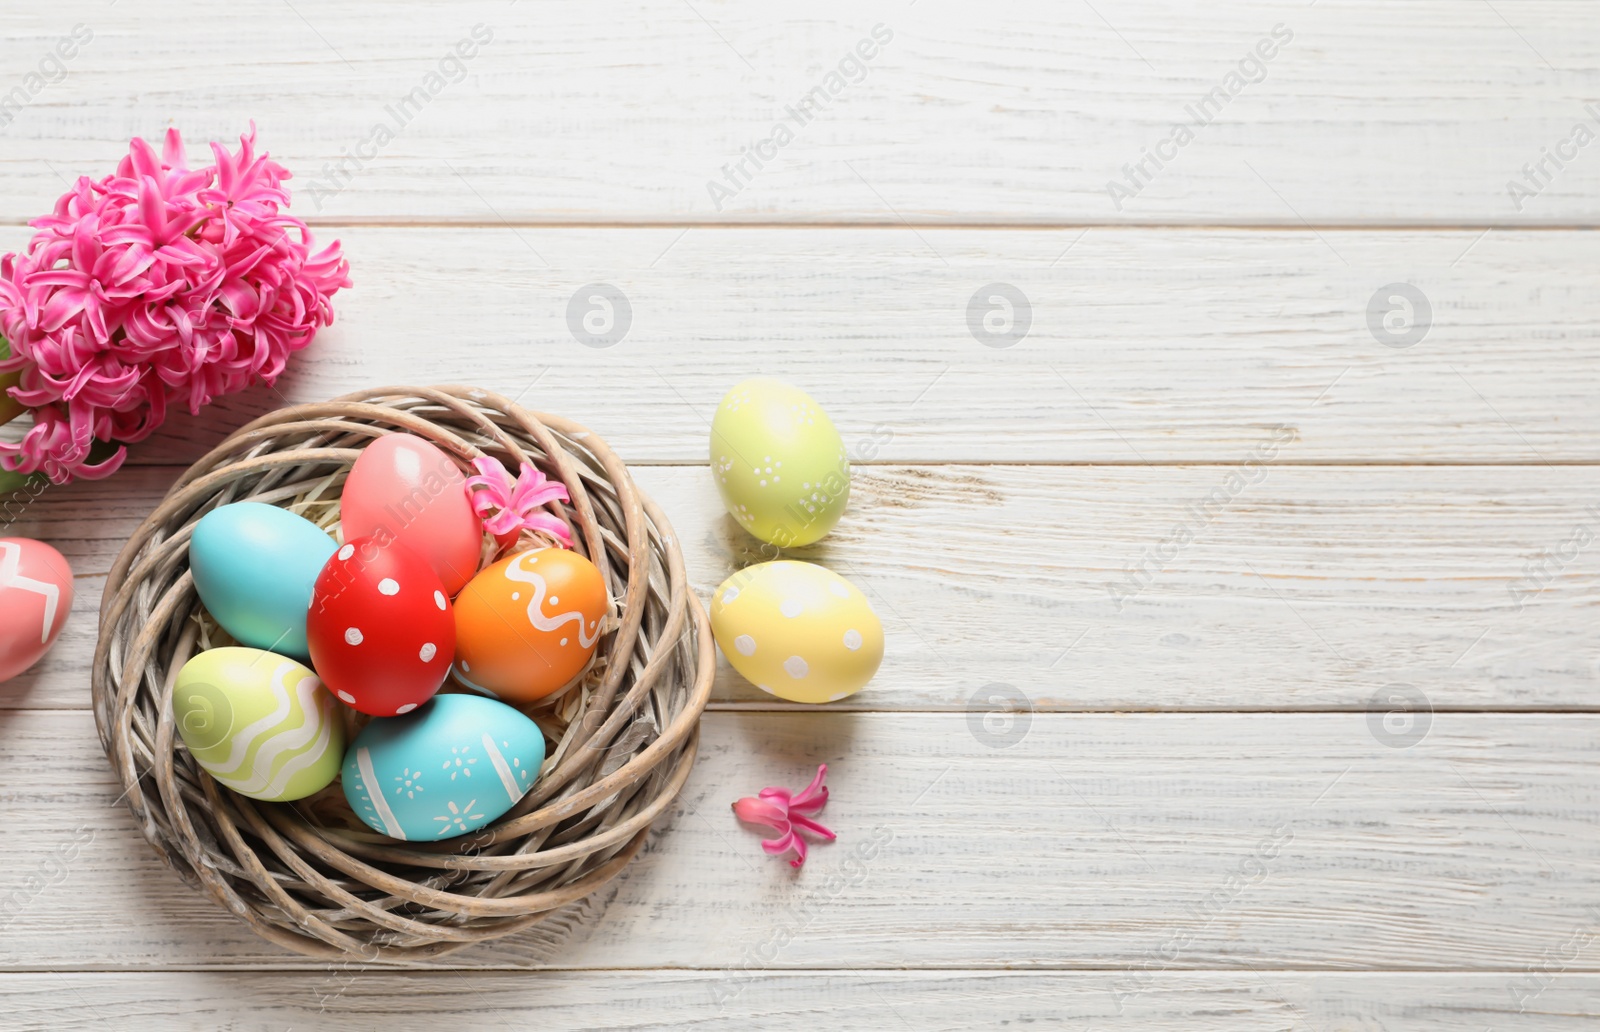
[788, 814]
[155, 286]
[508, 508]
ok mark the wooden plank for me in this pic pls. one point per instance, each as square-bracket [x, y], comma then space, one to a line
[423, 1002]
[1144, 346]
[1039, 523]
[1315, 588]
[627, 110]
[1148, 842]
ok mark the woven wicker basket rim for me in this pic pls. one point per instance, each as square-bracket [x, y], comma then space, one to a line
[306, 875]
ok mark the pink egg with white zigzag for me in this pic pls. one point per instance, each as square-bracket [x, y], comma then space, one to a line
[35, 595]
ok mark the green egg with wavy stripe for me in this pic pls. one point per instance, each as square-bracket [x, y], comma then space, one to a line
[259, 723]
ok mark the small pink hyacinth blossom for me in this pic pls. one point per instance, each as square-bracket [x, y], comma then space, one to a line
[788, 814]
[508, 508]
[155, 286]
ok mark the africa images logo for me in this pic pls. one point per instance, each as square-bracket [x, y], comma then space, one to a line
[50, 69]
[850, 70]
[1251, 69]
[1538, 175]
[447, 71]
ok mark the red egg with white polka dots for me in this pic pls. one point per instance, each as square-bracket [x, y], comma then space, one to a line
[381, 629]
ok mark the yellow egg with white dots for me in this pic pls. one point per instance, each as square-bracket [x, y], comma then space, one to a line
[797, 631]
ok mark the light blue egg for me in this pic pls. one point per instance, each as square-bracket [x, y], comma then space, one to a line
[254, 566]
[451, 767]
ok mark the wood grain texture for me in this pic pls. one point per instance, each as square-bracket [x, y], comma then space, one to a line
[1313, 588]
[945, 1000]
[1144, 346]
[1051, 868]
[1132, 842]
[1413, 112]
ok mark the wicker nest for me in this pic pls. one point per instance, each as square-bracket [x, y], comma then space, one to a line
[308, 875]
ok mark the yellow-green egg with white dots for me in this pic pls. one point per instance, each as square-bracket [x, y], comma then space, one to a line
[779, 463]
[797, 631]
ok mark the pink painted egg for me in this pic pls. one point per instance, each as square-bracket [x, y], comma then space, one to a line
[403, 489]
[35, 595]
[381, 630]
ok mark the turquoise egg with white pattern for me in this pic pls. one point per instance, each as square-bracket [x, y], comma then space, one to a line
[448, 768]
[259, 723]
[778, 462]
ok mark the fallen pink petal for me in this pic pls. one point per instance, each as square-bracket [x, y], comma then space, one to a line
[788, 813]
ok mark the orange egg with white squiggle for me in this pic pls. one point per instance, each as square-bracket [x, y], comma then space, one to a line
[527, 626]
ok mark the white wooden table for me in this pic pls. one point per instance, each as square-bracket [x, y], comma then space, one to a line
[1160, 578]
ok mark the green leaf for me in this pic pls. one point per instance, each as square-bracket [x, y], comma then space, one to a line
[21, 484]
[10, 408]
